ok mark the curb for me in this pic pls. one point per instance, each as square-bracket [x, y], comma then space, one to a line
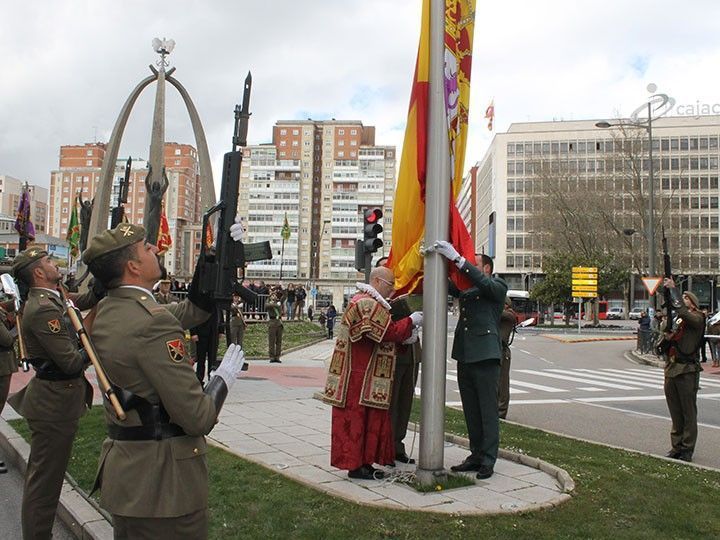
[589, 339]
[291, 349]
[637, 358]
[75, 512]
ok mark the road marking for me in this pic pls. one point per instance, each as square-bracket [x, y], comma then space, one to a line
[590, 389]
[538, 401]
[616, 378]
[658, 374]
[532, 355]
[576, 379]
[533, 386]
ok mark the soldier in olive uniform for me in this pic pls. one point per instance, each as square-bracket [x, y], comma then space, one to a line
[682, 372]
[55, 399]
[153, 471]
[478, 350]
[237, 322]
[508, 320]
[163, 296]
[8, 360]
[275, 331]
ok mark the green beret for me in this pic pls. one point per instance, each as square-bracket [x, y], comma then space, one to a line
[123, 235]
[26, 258]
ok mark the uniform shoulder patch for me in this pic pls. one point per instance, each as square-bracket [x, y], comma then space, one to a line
[176, 350]
[54, 326]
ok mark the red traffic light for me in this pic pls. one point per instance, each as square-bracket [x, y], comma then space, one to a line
[373, 215]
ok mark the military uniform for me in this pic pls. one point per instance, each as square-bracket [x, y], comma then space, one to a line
[682, 380]
[237, 325]
[407, 363]
[52, 402]
[478, 350]
[8, 359]
[508, 320]
[164, 299]
[275, 332]
[153, 471]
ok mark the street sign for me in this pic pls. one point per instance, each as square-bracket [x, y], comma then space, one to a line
[587, 269]
[592, 282]
[585, 288]
[651, 284]
[581, 294]
[577, 275]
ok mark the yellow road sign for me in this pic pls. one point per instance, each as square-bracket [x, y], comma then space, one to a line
[590, 269]
[584, 276]
[584, 282]
[584, 294]
[585, 288]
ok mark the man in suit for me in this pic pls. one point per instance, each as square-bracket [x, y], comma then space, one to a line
[478, 351]
[153, 471]
[57, 396]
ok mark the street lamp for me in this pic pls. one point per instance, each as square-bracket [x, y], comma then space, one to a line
[630, 233]
[647, 126]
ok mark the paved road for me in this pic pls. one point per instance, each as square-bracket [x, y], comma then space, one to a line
[11, 485]
[590, 390]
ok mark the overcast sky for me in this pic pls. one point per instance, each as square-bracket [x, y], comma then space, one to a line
[67, 66]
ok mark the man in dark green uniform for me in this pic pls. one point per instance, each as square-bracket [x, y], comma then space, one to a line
[478, 350]
[275, 331]
[508, 320]
[153, 470]
[55, 399]
[163, 295]
[8, 360]
[682, 372]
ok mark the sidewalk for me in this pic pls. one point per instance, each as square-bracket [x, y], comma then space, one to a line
[272, 418]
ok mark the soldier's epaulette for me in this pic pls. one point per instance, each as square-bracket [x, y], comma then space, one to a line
[150, 305]
[44, 300]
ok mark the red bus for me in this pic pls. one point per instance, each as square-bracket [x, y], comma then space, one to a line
[523, 306]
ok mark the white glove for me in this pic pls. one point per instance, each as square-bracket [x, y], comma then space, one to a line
[413, 337]
[447, 250]
[417, 318]
[237, 231]
[231, 365]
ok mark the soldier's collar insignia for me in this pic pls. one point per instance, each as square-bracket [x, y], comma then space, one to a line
[54, 326]
[176, 350]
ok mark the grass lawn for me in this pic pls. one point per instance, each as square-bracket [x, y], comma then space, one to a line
[255, 341]
[618, 495]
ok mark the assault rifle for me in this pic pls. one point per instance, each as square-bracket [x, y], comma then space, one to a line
[118, 212]
[219, 263]
[668, 274]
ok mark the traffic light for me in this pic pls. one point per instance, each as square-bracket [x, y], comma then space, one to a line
[371, 229]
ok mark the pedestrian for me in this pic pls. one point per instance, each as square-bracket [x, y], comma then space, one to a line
[644, 332]
[713, 329]
[508, 321]
[300, 295]
[275, 332]
[478, 351]
[153, 471]
[290, 302]
[8, 359]
[57, 396]
[682, 371]
[330, 316]
[310, 313]
[359, 379]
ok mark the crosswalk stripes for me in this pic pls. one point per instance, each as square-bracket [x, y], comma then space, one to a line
[584, 380]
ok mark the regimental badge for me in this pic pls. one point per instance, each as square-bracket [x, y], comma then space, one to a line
[54, 326]
[176, 350]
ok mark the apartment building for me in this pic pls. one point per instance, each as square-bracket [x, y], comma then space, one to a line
[10, 191]
[79, 173]
[685, 161]
[322, 175]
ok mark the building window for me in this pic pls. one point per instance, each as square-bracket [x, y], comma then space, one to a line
[296, 132]
[177, 162]
[88, 163]
[341, 132]
[341, 143]
[283, 132]
[89, 153]
[177, 151]
[341, 154]
[295, 143]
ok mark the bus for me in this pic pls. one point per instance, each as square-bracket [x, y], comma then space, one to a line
[523, 306]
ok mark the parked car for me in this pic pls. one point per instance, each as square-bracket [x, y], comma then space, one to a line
[635, 313]
[616, 313]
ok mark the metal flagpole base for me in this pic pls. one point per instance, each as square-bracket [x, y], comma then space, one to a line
[428, 477]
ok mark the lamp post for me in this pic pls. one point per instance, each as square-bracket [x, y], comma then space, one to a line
[650, 229]
[630, 233]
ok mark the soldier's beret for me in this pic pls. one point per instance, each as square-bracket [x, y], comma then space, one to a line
[693, 298]
[106, 242]
[24, 258]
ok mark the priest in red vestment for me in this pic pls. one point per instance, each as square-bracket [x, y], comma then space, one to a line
[360, 376]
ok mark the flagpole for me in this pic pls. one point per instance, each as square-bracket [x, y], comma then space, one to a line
[282, 256]
[435, 284]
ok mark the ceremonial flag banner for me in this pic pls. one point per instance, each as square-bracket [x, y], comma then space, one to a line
[490, 114]
[164, 238]
[285, 231]
[209, 239]
[23, 225]
[408, 229]
[73, 233]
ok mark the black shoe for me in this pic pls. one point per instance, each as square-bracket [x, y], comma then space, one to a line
[685, 456]
[484, 472]
[366, 472]
[3, 468]
[275, 361]
[404, 458]
[466, 466]
[673, 454]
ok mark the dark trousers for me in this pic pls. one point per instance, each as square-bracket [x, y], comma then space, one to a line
[403, 389]
[478, 384]
[203, 360]
[237, 333]
[4, 389]
[189, 526]
[275, 331]
[681, 397]
[50, 448]
[504, 383]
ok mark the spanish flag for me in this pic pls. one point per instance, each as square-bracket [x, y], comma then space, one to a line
[164, 238]
[408, 229]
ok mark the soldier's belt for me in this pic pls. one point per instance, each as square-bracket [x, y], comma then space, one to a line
[57, 376]
[156, 432]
